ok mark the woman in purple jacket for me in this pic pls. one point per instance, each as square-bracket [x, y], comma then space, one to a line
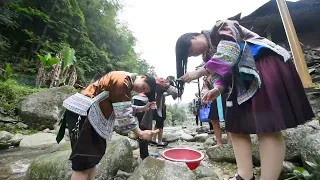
[266, 93]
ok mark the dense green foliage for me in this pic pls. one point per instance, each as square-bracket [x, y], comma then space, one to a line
[15, 129]
[176, 115]
[11, 93]
[29, 28]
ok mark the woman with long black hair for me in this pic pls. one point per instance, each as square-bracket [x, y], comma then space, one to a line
[266, 93]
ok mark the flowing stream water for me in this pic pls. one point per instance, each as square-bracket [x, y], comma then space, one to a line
[15, 161]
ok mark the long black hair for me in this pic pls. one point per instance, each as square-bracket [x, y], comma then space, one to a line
[182, 53]
[153, 86]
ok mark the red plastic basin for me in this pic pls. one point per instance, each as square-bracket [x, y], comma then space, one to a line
[190, 156]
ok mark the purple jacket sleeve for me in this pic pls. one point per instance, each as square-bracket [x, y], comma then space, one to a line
[223, 60]
[225, 35]
[218, 82]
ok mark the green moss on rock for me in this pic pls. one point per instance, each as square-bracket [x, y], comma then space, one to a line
[55, 165]
[11, 93]
[50, 167]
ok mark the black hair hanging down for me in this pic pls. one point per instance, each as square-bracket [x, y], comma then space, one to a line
[151, 96]
[153, 85]
[182, 53]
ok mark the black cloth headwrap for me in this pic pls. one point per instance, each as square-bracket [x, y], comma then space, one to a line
[153, 85]
[182, 53]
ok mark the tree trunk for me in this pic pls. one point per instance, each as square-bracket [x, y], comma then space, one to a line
[40, 75]
[73, 75]
[55, 75]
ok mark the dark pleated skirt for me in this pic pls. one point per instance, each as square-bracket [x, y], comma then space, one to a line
[89, 148]
[280, 103]
[214, 113]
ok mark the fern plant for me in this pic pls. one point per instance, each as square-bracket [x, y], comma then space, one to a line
[6, 73]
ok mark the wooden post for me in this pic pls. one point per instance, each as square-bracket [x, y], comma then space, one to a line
[294, 44]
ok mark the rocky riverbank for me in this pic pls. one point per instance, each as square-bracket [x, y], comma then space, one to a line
[39, 160]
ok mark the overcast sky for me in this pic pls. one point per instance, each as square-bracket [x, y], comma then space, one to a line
[157, 24]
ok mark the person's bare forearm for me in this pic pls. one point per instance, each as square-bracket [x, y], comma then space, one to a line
[204, 72]
[137, 131]
[219, 88]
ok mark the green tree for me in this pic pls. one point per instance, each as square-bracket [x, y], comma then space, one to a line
[177, 114]
[6, 21]
[145, 68]
[101, 42]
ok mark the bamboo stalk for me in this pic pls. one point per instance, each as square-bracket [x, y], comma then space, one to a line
[294, 43]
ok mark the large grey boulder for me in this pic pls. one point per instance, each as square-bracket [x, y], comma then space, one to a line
[201, 137]
[294, 137]
[156, 169]
[50, 166]
[56, 166]
[118, 156]
[205, 172]
[15, 140]
[44, 109]
[4, 138]
[223, 153]
[172, 134]
[187, 137]
[39, 140]
[310, 151]
[209, 143]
